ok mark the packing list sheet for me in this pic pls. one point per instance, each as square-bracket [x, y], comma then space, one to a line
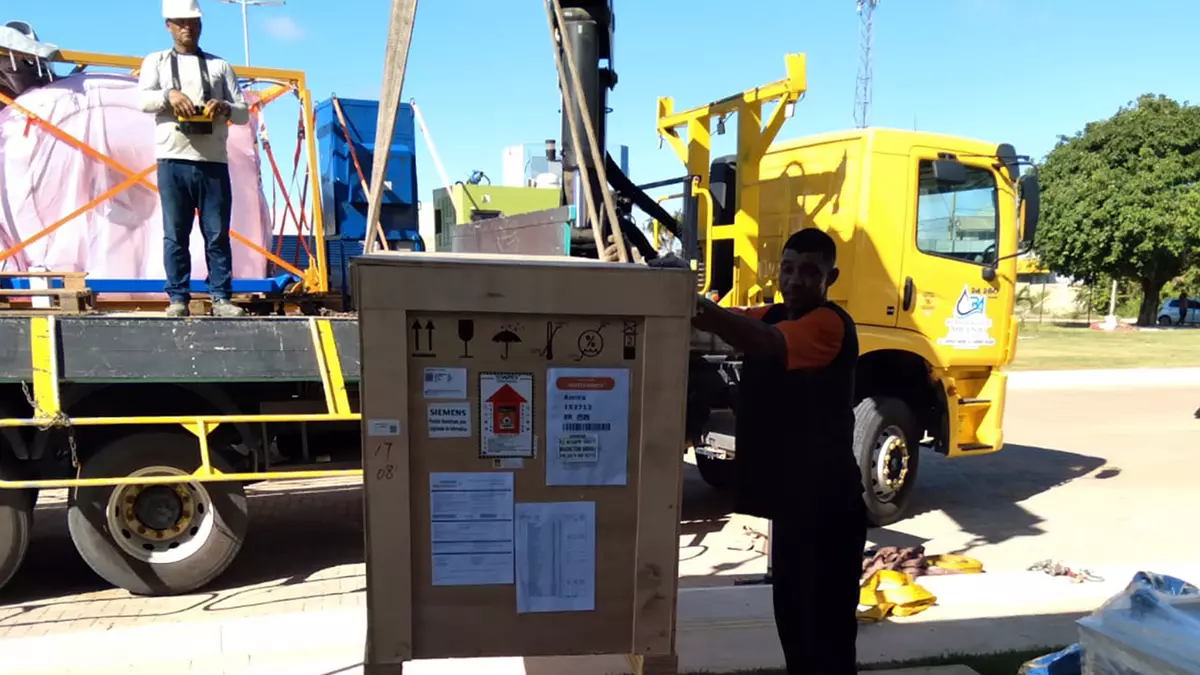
[471, 528]
[556, 556]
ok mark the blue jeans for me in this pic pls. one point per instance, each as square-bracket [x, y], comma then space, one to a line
[185, 187]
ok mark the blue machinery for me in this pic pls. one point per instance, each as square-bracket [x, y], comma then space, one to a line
[343, 202]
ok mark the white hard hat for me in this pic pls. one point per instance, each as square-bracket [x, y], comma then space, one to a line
[181, 9]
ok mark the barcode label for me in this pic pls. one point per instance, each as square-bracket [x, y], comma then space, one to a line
[587, 426]
[445, 383]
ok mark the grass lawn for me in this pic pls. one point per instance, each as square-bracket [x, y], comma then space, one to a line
[1006, 663]
[1057, 348]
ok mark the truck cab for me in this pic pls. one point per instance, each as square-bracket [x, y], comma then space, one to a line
[928, 228]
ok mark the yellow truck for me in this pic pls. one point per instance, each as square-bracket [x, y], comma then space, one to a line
[928, 229]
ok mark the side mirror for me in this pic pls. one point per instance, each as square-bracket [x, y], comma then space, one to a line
[1029, 193]
[949, 171]
[1007, 155]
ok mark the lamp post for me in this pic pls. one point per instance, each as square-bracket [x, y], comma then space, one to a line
[245, 25]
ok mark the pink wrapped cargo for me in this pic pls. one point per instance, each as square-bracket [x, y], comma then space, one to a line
[43, 179]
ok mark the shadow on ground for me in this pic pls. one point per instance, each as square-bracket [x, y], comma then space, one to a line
[297, 533]
[983, 495]
[293, 534]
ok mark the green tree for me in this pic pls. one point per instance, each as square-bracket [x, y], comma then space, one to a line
[1122, 198]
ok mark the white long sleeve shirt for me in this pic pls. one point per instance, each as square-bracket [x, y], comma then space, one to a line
[154, 81]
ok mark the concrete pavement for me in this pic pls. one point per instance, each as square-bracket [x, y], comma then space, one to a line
[1112, 378]
[720, 630]
[1090, 476]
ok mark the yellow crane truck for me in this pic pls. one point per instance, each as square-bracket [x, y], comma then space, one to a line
[928, 228]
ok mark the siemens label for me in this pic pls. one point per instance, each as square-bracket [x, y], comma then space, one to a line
[449, 420]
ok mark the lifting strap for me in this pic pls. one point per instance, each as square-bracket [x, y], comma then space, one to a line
[891, 593]
[955, 563]
[287, 201]
[894, 593]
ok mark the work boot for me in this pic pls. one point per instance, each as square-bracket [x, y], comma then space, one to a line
[177, 310]
[226, 309]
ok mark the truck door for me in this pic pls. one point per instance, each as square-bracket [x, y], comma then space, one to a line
[954, 233]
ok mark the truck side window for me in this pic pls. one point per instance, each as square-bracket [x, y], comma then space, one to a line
[958, 220]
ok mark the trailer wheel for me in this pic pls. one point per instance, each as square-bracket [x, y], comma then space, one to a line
[156, 539]
[16, 522]
[888, 452]
[717, 473]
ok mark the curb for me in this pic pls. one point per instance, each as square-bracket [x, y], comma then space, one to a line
[205, 640]
[720, 629]
[1117, 378]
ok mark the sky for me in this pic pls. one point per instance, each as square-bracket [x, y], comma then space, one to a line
[482, 71]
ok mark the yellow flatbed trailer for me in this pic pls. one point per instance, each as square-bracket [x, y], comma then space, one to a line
[157, 502]
[157, 425]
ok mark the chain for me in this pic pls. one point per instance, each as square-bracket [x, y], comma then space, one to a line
[1057, 569]
[58, 420]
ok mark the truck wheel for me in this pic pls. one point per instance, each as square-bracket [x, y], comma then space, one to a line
[16, 521]
[718, 473]
[156, 539]
[888, 452]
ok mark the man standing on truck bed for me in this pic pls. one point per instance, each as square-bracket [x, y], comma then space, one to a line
[192, 94]
[795, 462]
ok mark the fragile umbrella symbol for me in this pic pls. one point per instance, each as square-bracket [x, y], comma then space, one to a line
[507, 338]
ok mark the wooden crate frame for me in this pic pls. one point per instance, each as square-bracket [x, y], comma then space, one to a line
[392, 287]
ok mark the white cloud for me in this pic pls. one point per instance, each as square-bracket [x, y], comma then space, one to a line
[284, 28]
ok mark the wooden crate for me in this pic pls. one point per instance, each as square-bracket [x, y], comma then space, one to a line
[506, 382]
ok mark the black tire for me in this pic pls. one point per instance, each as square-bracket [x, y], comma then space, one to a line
[873, 418]
[717, 473]
[209, 541]
[16, 522]
[1164, 320]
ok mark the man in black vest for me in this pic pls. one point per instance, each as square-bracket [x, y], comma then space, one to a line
[795, 463]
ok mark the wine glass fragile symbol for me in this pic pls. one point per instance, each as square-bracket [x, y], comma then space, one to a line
[466, 333]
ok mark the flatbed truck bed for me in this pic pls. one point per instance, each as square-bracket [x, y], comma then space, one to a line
[157, 424]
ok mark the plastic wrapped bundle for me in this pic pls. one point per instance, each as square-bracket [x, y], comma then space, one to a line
[43, 179]
[1152, 627]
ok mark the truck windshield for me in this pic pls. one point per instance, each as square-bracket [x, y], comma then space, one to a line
[958, 220]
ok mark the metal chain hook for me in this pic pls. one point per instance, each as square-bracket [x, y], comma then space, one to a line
[59, 420]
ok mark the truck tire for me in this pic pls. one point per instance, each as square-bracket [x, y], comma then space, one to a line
[156, 539]
[16, 522]
[717, 473]
[887, 447]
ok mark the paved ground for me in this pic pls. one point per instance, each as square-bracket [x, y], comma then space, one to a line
[1091, 477]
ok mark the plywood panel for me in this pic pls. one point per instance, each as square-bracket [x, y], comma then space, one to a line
[440, 612]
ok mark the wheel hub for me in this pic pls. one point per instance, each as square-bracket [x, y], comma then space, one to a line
[160, 508]
[890, 463]
[160, 523]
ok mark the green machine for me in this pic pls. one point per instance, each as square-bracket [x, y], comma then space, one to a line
[470, 205]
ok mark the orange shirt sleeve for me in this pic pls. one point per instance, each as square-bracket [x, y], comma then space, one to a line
[813, 340]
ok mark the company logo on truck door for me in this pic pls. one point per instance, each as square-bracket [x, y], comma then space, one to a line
[969, 326]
